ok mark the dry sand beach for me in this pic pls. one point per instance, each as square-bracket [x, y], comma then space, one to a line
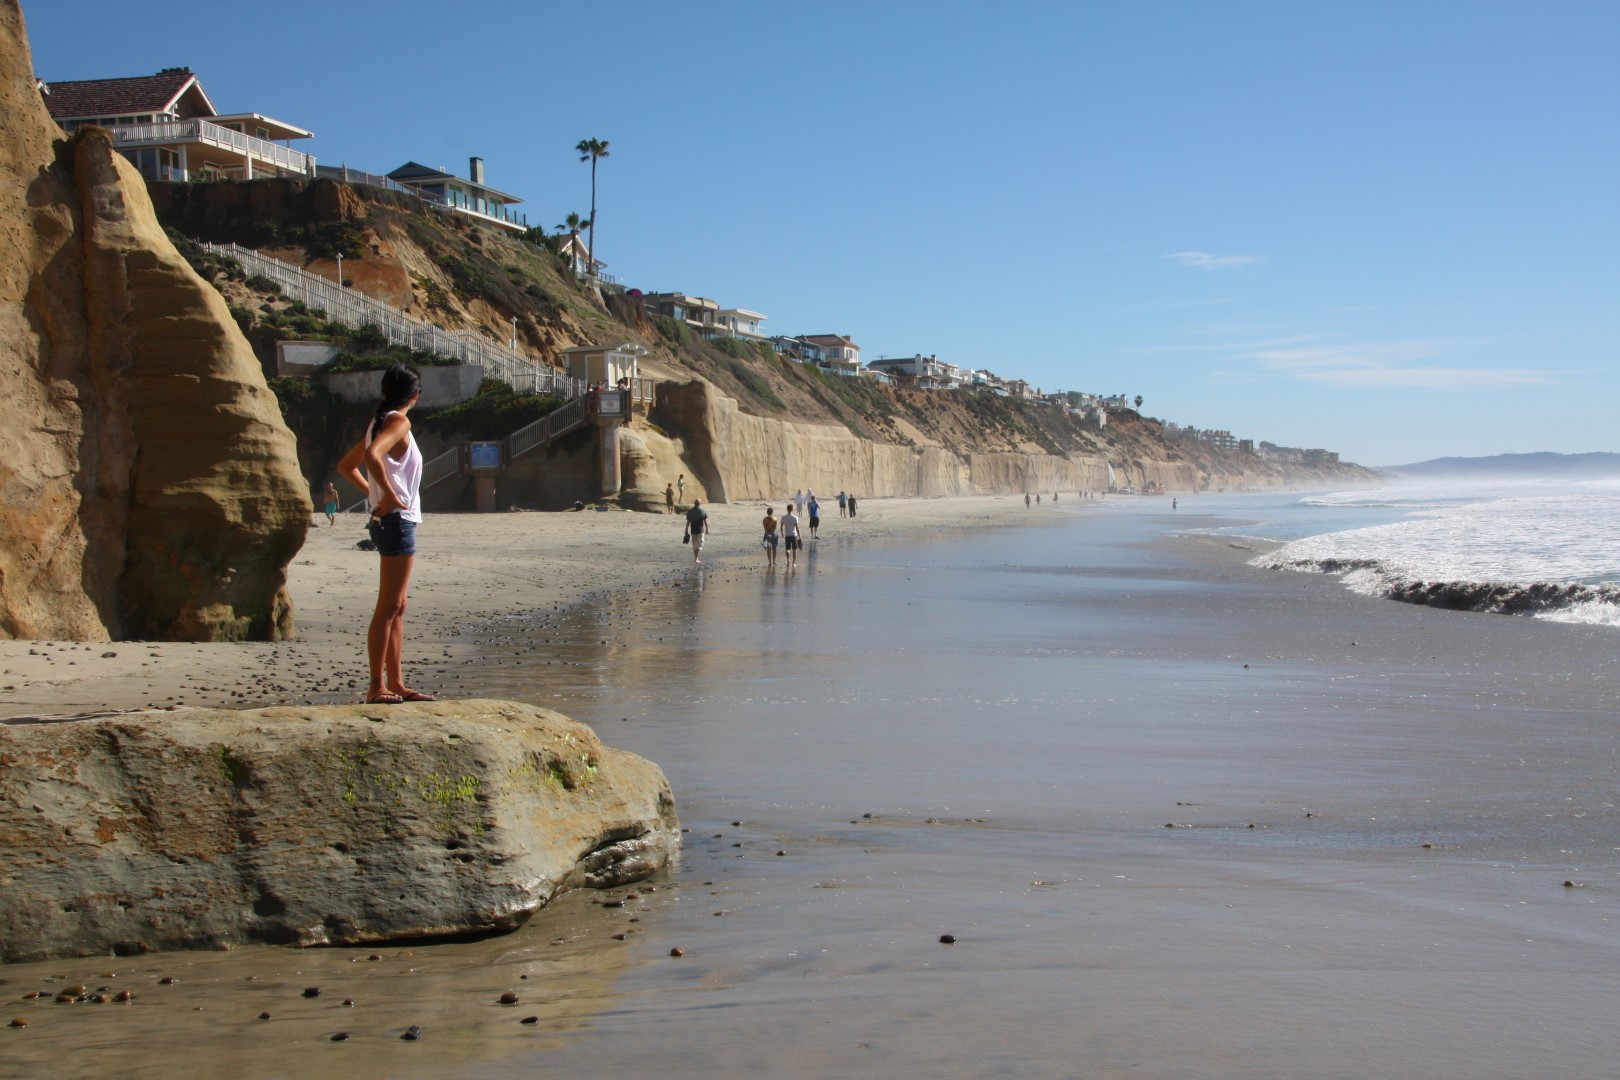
[1180, 816]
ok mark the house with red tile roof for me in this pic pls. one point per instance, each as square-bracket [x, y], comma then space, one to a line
[168, 126]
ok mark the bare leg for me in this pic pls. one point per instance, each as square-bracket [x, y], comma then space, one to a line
[385, 640]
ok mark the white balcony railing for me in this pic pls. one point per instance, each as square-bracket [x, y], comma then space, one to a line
[170, 132]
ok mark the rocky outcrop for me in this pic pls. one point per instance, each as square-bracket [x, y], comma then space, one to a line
[148, 487]
[736, 456]
[310, 826]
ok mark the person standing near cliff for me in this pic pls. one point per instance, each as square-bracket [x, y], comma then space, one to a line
[669, 498]
[697, 527]
[815, 516]
[680, 488]
[790, 536]
[392, 480]
[852, 505]
[843, 505]
[329, 501]
[769, 541]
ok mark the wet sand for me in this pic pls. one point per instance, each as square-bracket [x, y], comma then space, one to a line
[469, 568]
[1183, 818]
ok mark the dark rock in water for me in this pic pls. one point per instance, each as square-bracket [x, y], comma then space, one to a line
[947, 939]
[341, 1036]
[525, 1020]
[412, 1033]
[264, 1016]
[465, 817]
[312, 991]
[509, 998]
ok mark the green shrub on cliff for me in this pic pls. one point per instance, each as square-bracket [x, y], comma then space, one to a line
[494, 413]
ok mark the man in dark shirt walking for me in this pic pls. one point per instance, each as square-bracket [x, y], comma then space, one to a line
[697, 527]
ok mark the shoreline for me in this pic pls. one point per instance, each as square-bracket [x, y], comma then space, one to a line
[1172, 778]
[471, 568]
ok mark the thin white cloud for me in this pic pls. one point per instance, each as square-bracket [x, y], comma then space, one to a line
[1397, 364]
[1203, 260]
[1431, 378]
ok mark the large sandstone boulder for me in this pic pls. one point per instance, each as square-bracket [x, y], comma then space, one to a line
[205, 828]
[148, 486]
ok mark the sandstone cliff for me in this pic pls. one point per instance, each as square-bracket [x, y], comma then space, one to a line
[206, 828]
[735, 456]
[148, 486]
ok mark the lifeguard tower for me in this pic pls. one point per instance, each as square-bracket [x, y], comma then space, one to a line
[604, 365]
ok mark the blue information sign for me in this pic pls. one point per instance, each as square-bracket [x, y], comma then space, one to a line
[486, 455]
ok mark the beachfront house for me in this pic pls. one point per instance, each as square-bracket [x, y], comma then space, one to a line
[740, 323]
[604, 364]
[985, 381]
[797, 348]
[577, 250]
[470, 197]
[696, 312]
[167, 125]
[919, 371]
[839, 354]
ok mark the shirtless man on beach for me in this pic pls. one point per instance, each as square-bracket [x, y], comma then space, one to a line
[790, 535]
[770, 537]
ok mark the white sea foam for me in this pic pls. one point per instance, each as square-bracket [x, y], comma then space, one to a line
[1524, 548]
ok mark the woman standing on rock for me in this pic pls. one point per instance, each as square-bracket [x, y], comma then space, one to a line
[392, 481]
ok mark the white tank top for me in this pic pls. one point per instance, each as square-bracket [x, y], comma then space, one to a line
[404, 476]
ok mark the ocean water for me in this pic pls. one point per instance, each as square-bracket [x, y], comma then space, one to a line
[1547, 551]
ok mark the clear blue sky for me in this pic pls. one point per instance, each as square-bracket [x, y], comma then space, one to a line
[1388, 229]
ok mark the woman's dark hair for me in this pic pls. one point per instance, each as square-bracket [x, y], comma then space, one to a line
[400, 383]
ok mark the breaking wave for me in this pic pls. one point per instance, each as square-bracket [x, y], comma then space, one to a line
[1558, 601]
[1539, 552]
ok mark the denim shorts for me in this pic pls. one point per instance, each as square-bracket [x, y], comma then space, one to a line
[393, 535]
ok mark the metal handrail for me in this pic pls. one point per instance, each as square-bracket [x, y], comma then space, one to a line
[355, 309]
[554, 425]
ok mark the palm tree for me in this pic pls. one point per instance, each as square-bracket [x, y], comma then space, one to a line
[590, 150]
[573, 223]
[1138, 402]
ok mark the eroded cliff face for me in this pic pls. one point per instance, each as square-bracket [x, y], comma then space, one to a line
[148, 487]
[735, 456]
